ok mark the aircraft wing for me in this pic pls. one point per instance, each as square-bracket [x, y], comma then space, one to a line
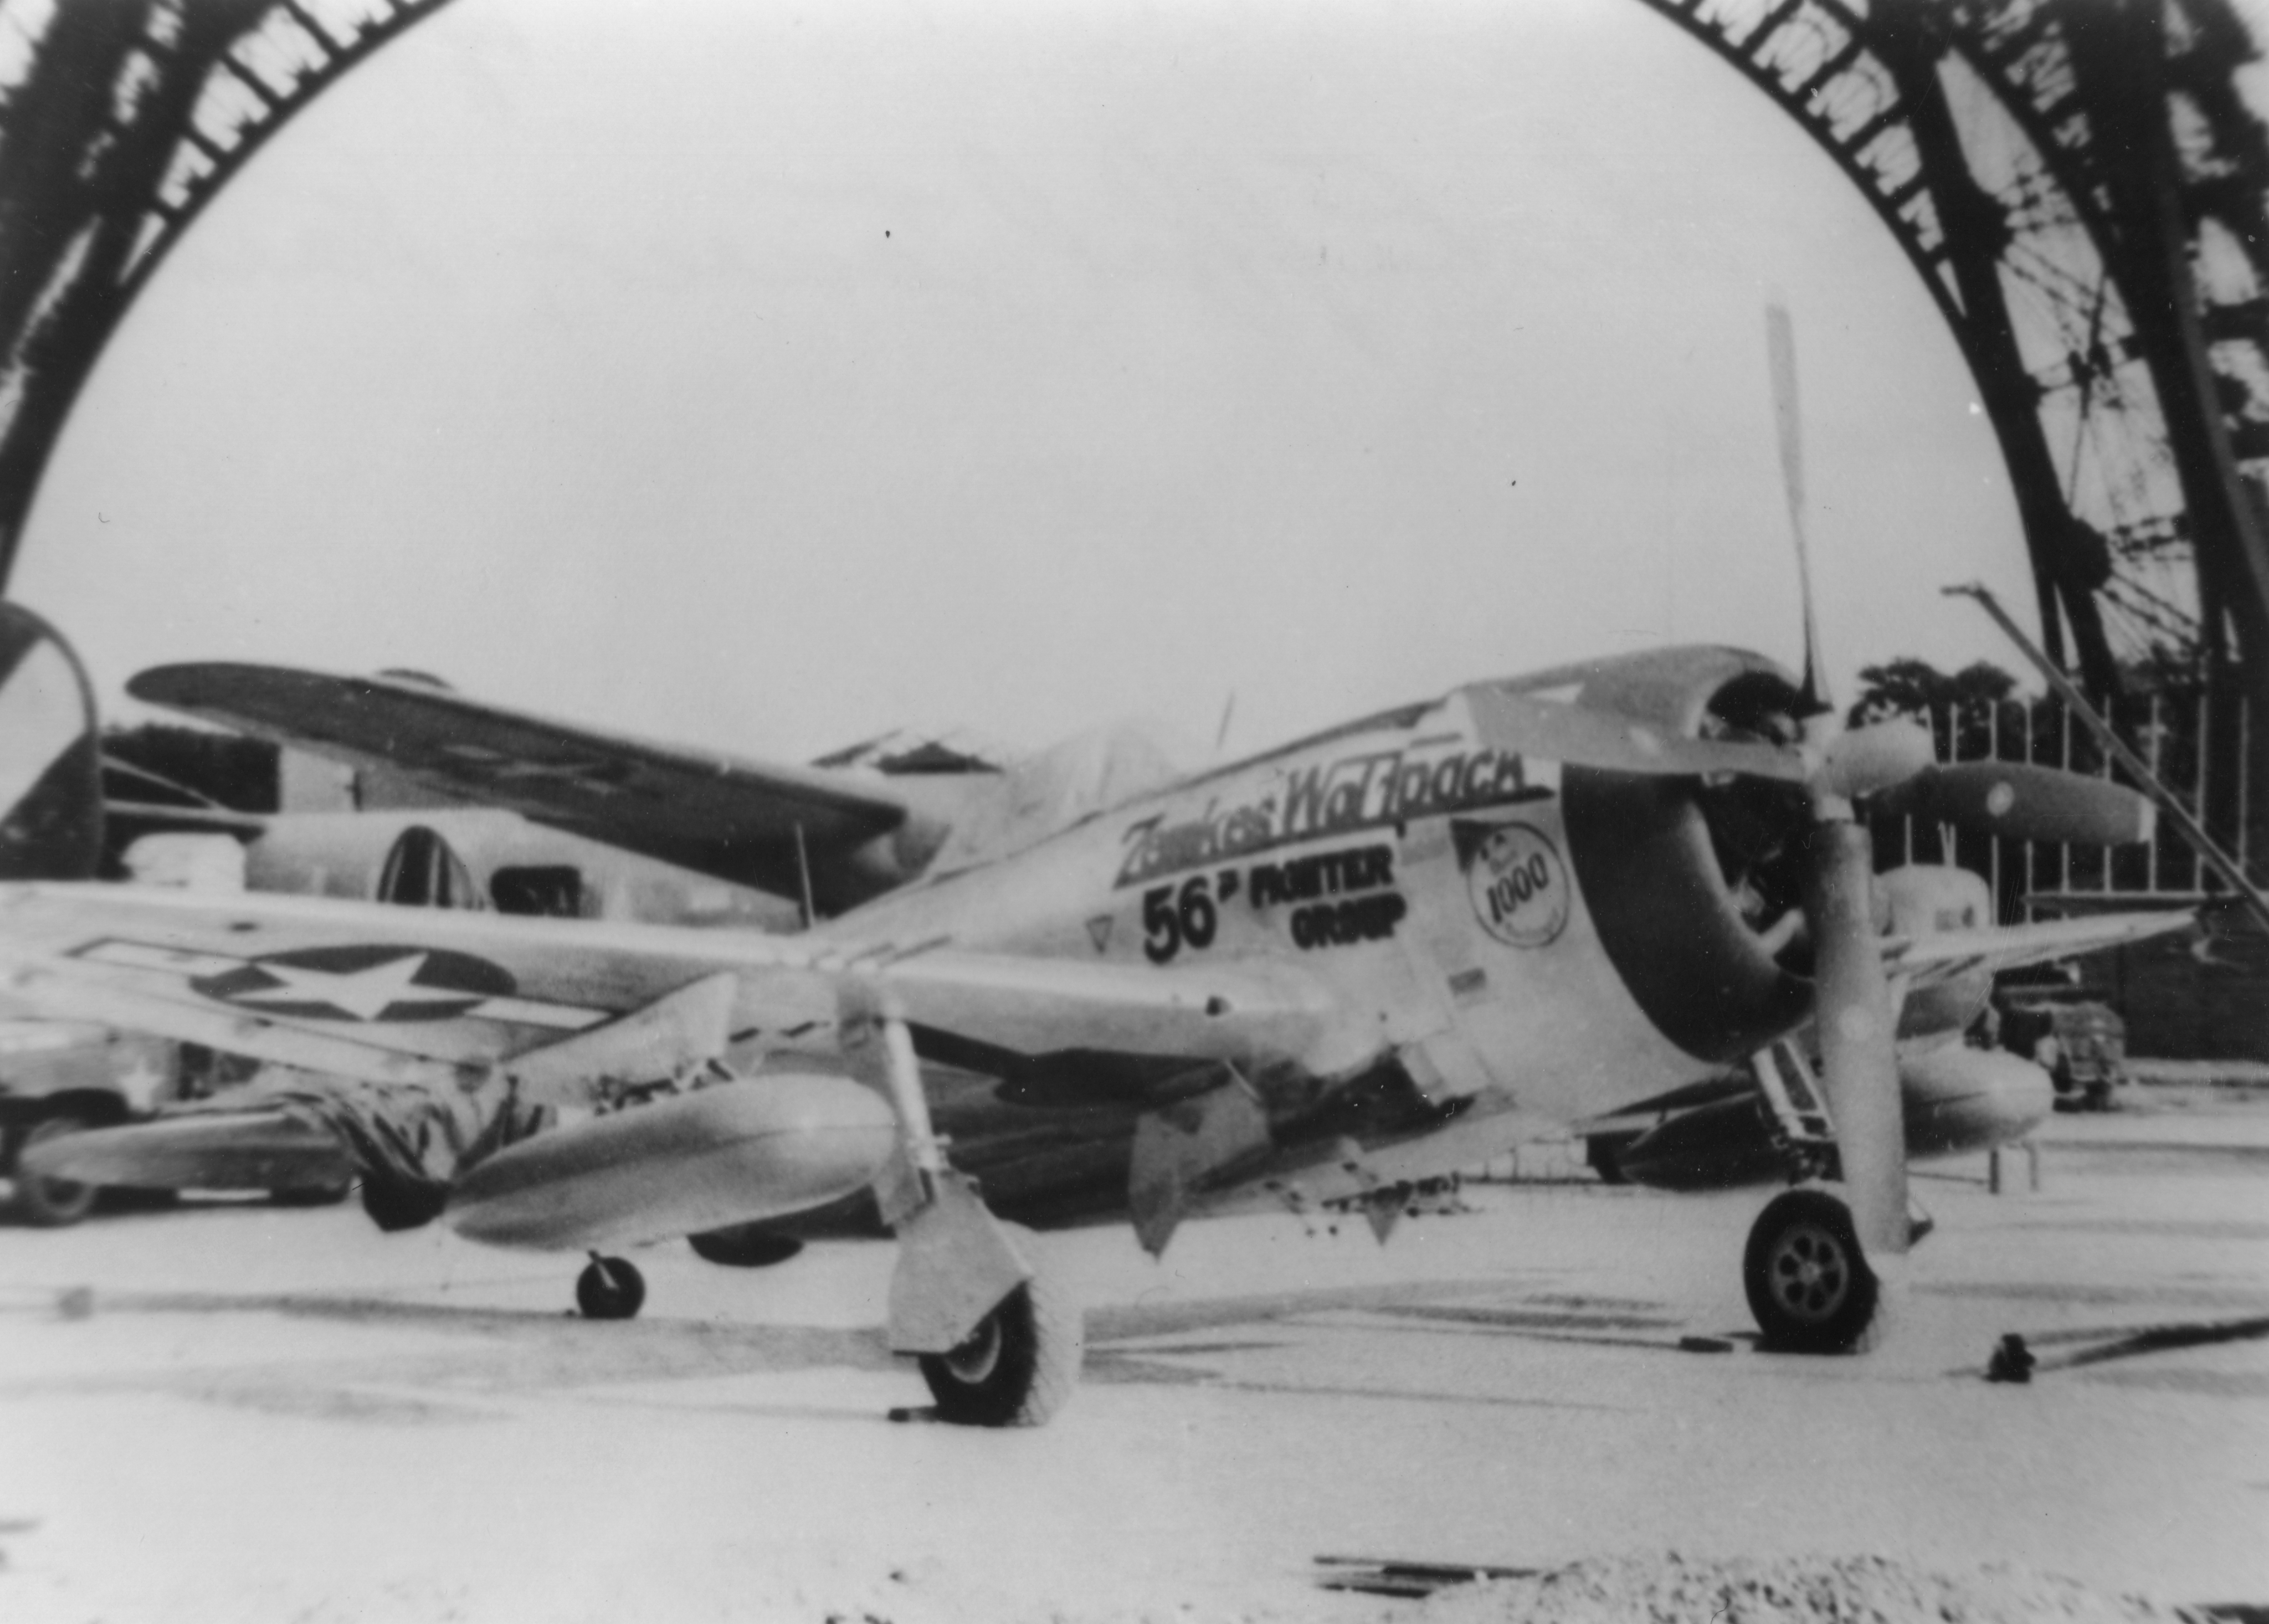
[719, 815]
[1940, 955]
[447, 998]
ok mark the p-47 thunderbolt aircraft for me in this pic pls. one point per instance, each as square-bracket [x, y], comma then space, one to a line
[1372, 956]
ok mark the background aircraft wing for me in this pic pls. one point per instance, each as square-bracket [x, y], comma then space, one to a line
[432, 995]
[715, 814]
[1939, 955]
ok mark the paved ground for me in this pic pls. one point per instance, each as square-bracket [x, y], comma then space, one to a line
[233, 1413]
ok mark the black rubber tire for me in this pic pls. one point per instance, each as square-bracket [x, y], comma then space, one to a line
[1020, 1366]
[396, 1203]
[311, 1195]
[52, 1203]
[137, 1198]
[1809, 1283]
[1602, 1154]
[610, 1288]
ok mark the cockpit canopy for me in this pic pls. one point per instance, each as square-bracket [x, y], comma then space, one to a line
[1048, 792]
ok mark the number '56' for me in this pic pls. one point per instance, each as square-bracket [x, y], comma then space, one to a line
[1173, 920]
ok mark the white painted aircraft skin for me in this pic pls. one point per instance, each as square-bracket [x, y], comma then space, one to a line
[1546, 1023]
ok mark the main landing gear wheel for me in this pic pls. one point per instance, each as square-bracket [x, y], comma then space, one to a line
[1809, 1285]
[1600, 1152]
[1018, 1366]
[745, 1246]
[610, 1288]
[395, 1203]
[52, 1203]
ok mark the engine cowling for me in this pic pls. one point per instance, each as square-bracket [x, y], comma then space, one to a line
[1694, 886]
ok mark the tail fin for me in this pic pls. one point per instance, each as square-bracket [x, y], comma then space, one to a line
[50, 755]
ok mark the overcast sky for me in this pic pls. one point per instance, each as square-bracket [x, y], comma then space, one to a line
[766, 375]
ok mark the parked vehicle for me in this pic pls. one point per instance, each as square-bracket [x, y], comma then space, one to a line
[59, 1077]
[2080, 1040]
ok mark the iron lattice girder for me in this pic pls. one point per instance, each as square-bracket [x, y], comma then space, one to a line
[2137, 137]
[126, 117]
[132, 115]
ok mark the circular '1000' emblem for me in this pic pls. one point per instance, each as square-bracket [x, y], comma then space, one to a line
[1518, 886]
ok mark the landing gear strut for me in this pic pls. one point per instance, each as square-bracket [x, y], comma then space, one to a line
[610, 1288]
[997, 1339]
[1808, 1284]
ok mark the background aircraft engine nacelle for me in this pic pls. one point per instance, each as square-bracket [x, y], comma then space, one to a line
[764, 1148]
[1695, 887]
[1961, 1099]
[1926, 898]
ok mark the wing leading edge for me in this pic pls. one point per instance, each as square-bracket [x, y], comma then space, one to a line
[1939, 955]
[390, 994]
[725, 816]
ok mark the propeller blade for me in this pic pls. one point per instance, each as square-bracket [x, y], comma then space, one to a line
[1780, 353]
[1853, 1010]
[2025, 803]
[1579, 736]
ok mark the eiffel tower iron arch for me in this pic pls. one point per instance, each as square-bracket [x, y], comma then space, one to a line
[119, 120]
[2081, 189]
[2076, 181]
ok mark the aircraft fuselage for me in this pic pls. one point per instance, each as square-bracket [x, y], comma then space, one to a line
[1422, 876]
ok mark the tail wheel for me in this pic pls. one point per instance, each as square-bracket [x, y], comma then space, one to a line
[52, 1203]
[1019, 1365]
[1808, 1284]
[610, 1288]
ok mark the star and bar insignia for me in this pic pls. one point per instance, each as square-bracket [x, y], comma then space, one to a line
[360, 982]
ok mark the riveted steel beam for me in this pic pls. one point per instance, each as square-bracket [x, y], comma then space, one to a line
[128, 117]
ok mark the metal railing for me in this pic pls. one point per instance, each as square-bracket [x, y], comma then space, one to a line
[2194, 742]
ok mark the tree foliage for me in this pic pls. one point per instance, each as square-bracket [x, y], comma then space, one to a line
[1910, 687]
